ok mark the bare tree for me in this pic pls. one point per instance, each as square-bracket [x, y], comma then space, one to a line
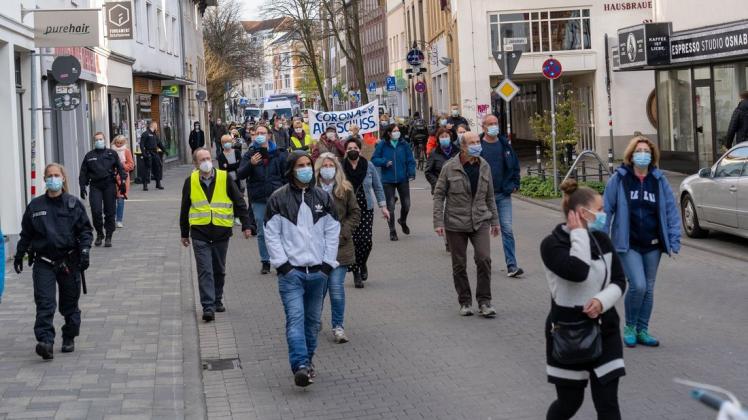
[343, 18]
[230, 54]
[305, 31]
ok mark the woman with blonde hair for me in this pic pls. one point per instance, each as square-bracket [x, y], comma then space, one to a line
[643, 222]
[119, 145]
[331, 178]
[56, 234]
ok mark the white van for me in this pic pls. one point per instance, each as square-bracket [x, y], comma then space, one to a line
[280, 108]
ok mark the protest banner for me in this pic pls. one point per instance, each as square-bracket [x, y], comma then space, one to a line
[365, 117]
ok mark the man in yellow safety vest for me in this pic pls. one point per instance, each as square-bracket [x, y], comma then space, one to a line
[210, 201]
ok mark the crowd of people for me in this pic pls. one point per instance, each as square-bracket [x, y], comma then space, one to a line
[311, 204]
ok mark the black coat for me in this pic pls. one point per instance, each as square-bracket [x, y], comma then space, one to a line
[197, 139]
[738, 128]
[224, 164]
[436, 160]
[99, 168]
[53, 226]
[265, 177]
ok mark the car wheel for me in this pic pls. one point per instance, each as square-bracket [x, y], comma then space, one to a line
[691, 219]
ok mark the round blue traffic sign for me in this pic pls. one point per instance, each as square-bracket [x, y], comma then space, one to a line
[552, 69]
[415, 57]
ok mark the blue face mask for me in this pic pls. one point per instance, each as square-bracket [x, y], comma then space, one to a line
[227, 146]
[445, 142]
[327, 173]
[474, 150]
[395, 135]
[99, 144]
[53, 183]
[260, 140]
[642, 159]
[442, 122]
[493, 130]
[304, 175]
[599, 223]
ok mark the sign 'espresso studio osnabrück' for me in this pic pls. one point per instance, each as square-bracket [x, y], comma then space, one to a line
[709, 43]
[66, 28]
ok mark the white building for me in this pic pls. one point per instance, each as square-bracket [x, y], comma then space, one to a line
[575, 35]
[397, 102]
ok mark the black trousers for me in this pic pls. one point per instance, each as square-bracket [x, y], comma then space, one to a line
[570, 399]
[103, 199]
[153, 168]
[46, 285]
[403, 190]
[210, 259]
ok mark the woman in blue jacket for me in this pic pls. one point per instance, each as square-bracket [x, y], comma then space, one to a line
[643, 222]
[395, 159]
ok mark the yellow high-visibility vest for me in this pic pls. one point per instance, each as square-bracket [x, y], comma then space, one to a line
[297, 143]
[219, 211]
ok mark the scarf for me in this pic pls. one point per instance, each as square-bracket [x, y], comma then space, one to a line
[121, 152]
[356, 176]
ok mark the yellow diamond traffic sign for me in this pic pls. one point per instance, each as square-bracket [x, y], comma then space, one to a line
[507, 89]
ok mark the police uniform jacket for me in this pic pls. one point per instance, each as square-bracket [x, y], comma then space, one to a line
[149, 142]
[100, 166]
[54, 226]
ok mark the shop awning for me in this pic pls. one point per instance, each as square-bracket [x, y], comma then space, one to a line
[177, 81]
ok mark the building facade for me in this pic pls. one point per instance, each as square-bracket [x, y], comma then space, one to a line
[373, 32]
[576, 36]
[444, 70]
[698, 79]
[397, 102]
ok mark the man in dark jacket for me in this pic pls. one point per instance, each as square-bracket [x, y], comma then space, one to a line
[100, 168]
[263, 166]
[737, 131]
[445, 150]
[210, 200]
[218, 130]
[505, 173]
[150, 143]
[197, 137]
[455, 119]
[280, 134]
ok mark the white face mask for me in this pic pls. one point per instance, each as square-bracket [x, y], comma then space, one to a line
[327, 173]
[206, 166]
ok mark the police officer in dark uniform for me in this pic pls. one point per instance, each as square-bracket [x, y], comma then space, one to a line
[150, 143]
[99, 168]
[56, 235]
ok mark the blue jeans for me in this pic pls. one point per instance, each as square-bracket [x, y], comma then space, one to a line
[504, 206]
[640, 270]
[259, 211]
[120, 213]
[335, 284]
[302, 295]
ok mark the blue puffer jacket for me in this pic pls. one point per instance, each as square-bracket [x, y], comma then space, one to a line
[403, 164]
[617, 209]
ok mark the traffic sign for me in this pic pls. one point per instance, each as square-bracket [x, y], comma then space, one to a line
[66, 69]
[507, 60]
[420, 87]
[415, 57]
[372, 87]
[552, 69]
[391, 84]
[507, 90]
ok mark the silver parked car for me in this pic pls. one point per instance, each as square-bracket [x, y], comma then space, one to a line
[717, 198]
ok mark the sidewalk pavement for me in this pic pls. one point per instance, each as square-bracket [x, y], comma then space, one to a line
[136, 356]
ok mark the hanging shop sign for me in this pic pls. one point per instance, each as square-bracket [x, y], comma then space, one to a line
[118, 20]
[644, 45]
[365, 117]
[171, 91]
[720, 41]
[67, 97]
[66, 27]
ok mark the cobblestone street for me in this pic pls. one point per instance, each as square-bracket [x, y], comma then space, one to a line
[142, 351]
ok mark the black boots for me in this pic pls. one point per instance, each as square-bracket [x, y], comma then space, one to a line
[357, 282]
[108, 241]
[45, 351]
[159, 186]
[364, 272]
[99, 239]
[265, 267]
[68, 345]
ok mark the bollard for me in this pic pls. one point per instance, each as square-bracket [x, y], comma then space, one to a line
[573, 160]
[600, 172]
[610, 161]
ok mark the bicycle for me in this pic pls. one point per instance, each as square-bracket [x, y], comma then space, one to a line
[419, 154]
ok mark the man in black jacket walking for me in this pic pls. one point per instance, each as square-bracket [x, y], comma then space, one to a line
[197, 137]
[738, 128]
[99, 169]
[210, 200]
[150, 143]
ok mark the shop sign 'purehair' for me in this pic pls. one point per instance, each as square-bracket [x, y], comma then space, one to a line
[67, 28]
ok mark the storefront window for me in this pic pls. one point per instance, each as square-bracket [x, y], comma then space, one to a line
[675, 111]
[142, 115]
[729, 81]
[119, 116]
[169, 126]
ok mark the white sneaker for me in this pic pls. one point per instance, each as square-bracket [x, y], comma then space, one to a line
[237, 221]
[339, 335]
[120, 225]
[466, 310]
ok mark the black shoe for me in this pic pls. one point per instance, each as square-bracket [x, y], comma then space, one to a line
[145, 187]
[393, 236]
[209, 316]
[357, 282]
[45, 351]
[220, 307]
[68, 345]
[406, 229]
[99, 239]
[159, 187]
[301, 377]
[108, 242]
[265, 267]
[364, 272]
[514, 272]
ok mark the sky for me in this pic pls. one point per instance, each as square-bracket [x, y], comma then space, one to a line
[251, 9]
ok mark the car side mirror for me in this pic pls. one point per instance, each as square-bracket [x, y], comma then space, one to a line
[705, 173]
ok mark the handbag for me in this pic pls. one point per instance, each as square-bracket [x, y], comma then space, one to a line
[578, 342]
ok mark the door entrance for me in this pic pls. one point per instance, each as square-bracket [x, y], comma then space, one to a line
[704, 127]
